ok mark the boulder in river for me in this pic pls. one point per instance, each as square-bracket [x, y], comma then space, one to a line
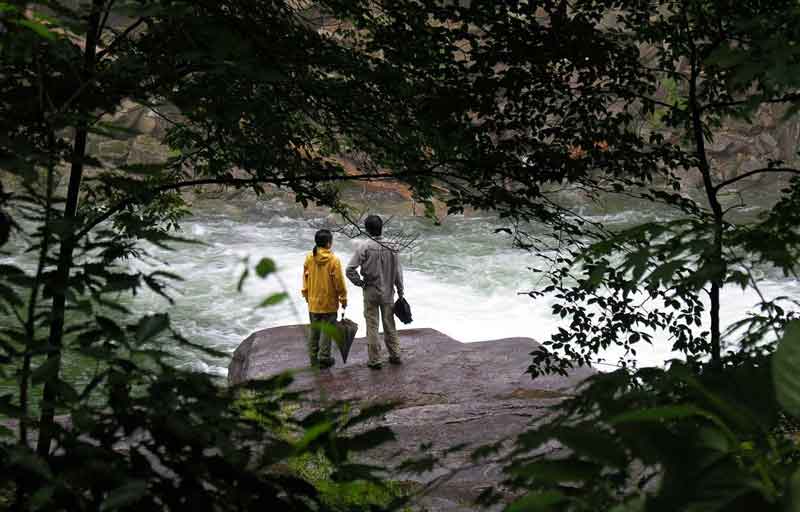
[448, 393]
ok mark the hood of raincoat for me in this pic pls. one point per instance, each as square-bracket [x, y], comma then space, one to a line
[323, 256]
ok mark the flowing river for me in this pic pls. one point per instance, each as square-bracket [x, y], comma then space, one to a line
[461, 278]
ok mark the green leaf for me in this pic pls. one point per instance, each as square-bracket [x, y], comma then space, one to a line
[146, 169]
[125, 496]
[65, 391]
[557, 471]
[47, 371]
[372, 411]
[666, 272]
[593, 443]
[242, 279]
[111, 130]
[351, 472]
[6, 7]
[456, 448]
[537, 500]
[8, 408]
[792, 111]
[275, 298]
[330, 330]
[110, 328]
[10, 295]
[418, 465]
[714, 439]
[8, 271]
[636, 504]
[659, 414]
[794, 490]
[6, 432]
[24, 458]
[35, 26]
[485, 451]
[370, 439]
[265, 267]
[42, 497]
[312, 434]
[786, 369]
[726, 57]
[151, 325]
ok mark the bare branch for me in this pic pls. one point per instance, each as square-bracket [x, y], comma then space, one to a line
[157, 190]
[764, 170]
[396, 241]
[740, 204]
[240, 182]
[121, 37]
[106, 14]
[728, 104]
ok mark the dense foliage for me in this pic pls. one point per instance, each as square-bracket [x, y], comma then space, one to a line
[715, 432]
[677, 439]
[140, 433]
[489, 105]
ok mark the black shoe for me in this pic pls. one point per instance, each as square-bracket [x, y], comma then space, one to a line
[326, 363]
[374, 366]
[395, 360]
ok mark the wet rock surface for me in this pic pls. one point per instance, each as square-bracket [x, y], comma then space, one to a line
[448, 393]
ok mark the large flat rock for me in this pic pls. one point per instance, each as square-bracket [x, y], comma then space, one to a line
[447, 392]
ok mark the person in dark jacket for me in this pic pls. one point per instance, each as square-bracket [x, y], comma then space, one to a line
[380, 274]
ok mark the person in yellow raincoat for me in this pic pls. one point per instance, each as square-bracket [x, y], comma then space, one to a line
[324, 290]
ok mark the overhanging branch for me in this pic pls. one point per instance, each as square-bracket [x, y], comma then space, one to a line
[765, 170]
[121, 37]
[240, 182]
[728, 104]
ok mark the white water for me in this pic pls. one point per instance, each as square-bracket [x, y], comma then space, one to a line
[462, 279]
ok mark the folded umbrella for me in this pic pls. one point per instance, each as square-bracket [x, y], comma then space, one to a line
[347, 330]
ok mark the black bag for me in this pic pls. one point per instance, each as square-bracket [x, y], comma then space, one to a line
[347, 328]
[402, 310]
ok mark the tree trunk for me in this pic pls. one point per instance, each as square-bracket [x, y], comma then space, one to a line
[68, 240]
[715, 258]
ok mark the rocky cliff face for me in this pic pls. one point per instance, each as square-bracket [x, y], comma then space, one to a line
[740, 147]
[138, 135]
[447, 392]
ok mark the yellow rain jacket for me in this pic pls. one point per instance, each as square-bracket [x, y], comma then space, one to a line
[323, 282]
